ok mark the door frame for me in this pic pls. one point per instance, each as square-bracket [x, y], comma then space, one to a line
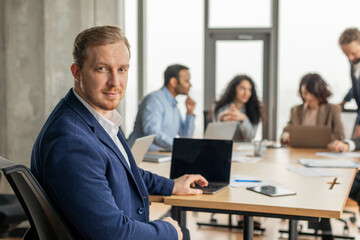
[270, 56]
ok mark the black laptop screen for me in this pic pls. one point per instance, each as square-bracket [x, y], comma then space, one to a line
[210, 158]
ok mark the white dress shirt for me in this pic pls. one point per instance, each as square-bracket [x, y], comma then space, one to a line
[111, 126]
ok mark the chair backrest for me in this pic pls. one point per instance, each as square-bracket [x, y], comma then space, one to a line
[207, 118]
[45, 220]
[348, 118]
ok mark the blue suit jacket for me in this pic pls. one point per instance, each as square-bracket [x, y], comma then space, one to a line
[84, 172]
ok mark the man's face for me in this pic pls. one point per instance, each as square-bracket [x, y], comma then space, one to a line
[184, 84]
[352, 51]
[102, 80]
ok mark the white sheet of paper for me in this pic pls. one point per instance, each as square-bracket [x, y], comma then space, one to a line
[313, 172]
[263, 182]
[328, 163]
[246, 159]
[244, 146]
[339, 155]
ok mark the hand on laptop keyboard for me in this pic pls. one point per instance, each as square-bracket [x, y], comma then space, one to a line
[184, 184]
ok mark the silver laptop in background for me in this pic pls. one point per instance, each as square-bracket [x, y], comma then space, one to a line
[309, 136]
[220, 130]
[140, 147]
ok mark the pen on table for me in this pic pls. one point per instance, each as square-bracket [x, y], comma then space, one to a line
[241, 180]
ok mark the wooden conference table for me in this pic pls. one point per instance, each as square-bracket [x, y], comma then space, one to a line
[313, 200]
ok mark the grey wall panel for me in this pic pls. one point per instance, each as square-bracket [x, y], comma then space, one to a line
[24, 33]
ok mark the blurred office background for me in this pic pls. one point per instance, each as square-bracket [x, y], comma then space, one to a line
[273, 41]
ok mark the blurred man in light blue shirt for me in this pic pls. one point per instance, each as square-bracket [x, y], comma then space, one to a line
[158, 112]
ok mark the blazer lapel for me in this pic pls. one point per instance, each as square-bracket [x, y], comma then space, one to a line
[322, 115]
[134, 169]
[104, 137]
[98, 130]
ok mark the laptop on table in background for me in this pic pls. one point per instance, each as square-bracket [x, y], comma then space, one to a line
[220, 130]
[210, 158]
[141, 146]
[309, 136]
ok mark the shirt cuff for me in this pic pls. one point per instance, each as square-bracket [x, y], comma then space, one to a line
[351, 144]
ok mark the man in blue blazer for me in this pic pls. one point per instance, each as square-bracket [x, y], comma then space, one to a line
[83, 162]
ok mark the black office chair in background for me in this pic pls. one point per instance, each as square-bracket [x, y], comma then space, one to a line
[11, 216]
[207, 118]
[46, 222]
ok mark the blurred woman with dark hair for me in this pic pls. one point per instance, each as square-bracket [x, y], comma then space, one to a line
[315, 109]
[240, 103]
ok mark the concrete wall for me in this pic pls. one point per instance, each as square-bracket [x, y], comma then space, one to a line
[36, 40]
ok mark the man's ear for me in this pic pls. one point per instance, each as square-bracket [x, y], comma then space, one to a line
[76, 72]
[173, 82]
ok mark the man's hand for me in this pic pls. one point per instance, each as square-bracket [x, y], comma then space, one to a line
[338, 146]
[184, 183]
[190, 105]
[176, 226]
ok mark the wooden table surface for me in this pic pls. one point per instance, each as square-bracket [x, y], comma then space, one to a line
[313, 198]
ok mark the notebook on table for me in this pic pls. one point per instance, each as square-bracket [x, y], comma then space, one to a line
[309, 136]
[153, 157]
[210, 158]
[141, 146]
[220, 130]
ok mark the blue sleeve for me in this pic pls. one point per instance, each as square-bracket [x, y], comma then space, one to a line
[75, 175]
[151, 118]
[248, 129]
[157, 185]
[357, 143]
[187, 127]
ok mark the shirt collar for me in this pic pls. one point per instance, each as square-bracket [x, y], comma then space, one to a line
[110, 125]
[169, 96]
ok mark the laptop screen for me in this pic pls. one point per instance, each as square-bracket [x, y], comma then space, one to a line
[210, 158]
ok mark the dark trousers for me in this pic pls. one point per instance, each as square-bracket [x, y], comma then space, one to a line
[355, 189]
[186, 233]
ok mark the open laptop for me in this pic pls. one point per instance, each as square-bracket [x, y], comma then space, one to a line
[220, 130]
[210, 158]
[141, 146]
[309, 136]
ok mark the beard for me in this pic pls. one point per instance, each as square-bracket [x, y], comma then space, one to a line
[356, 61]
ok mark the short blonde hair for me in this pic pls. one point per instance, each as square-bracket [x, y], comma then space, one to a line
[349, 35]
[100, 35]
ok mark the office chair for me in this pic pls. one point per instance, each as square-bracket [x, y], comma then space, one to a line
[349, 116]
[207, 118]
[46, 222]
[11, 215]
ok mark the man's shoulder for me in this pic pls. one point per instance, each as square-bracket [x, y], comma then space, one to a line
[64, 121]
[157, 96]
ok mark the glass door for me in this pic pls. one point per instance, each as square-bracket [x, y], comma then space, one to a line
[234, 57]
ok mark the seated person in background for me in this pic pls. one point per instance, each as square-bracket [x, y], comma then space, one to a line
[240, 103]
[315, 109]
[158, 112]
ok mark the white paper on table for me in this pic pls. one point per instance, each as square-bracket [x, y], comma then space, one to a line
[246, 159]
[339, 154]
[244, 146]
[313, 172]
[328, 163]
[249, 184]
